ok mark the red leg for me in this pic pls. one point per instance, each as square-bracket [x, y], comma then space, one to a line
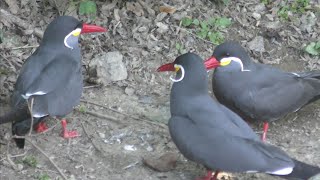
[41, 127]
[215, 176]
[207, 177]
[265, 130]
[65, 132]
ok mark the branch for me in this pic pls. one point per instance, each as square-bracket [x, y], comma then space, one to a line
[52, 162]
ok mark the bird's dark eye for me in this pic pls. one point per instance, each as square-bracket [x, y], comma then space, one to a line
[227, 54]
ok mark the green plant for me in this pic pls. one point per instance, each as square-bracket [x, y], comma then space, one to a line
[88, 8]
[297, 6]
[44, 177]
[180, 48]
[216, 37]
[82, 109]
[210, 28]
[30, 161]
[300, 5]
[283, 12]
[266, 2]
[313, 48]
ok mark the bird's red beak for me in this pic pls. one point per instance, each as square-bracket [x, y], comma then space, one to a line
[166, 67]
[88, 28]
[211, 63]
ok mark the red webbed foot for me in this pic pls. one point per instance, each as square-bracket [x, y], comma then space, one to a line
[65, 132]
[41, 127]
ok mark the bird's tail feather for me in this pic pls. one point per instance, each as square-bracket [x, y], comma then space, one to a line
[310, 74]
[15, 114]
[302, 171]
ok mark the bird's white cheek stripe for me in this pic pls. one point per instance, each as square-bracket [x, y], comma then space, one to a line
[65, 40]
[235, 59]
[182, 75]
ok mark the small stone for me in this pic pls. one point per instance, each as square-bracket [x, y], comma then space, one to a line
[162, 28]
[142, 29]
[149, 148]
[160, 16]
[270, 17]
[257, 16]
[260, 8]
[72, 177]
[102, 135]
[129, 91]
[19, 167]
[257, 44]
[273, 25]
[179, 16]
[164, 163]
[130, 148]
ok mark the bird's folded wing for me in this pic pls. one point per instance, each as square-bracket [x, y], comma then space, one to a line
[54, 74]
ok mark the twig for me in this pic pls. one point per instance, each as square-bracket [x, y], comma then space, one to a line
[113, 119]
[14, 166]
[183, 29]
[93, 86]
[127, 115]
[52, 162]
[131, 165]
[19, 22]
[86, 132]
[30, 106]
[24, 47]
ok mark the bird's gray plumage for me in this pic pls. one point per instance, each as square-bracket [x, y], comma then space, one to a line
[51, 76]
[263, 93]
[209, 133]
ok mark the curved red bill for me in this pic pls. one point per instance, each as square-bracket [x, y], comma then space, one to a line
[211, 63]
[88, 28]
[166, 67]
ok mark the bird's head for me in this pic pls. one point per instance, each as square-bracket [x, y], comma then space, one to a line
[190, 72]
[230, 56]
[66, 30]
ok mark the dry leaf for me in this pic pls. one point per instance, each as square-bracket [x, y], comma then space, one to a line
[167, 9]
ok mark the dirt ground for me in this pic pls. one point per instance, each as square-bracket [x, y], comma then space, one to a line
[139, 105]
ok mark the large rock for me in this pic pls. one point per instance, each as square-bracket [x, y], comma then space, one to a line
[109, 67]
[257, 44]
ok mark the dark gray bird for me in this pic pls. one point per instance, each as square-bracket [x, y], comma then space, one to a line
[257, 91]
[210, 134]
[51, 76]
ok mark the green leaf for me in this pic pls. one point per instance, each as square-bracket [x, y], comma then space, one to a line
[204, 25]
[225, 2]
[88, 8]
[30, 160]
[313, 48]
[222, 22]
[196, 22]
[317, 46]
[202, 33]
[44, 177]
[178, 46]
[186, 22]
[211, 21]
[216, 38]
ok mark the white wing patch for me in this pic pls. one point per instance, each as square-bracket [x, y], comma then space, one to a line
[39, 115]
[35, 93]
[284, 171]
[295, 74]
